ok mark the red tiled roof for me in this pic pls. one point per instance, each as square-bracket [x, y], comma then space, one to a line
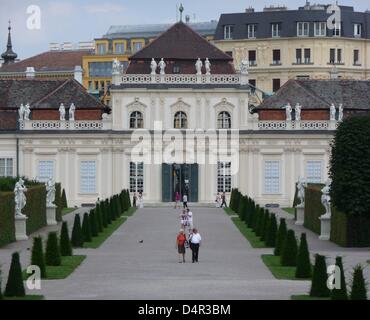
[49, 61]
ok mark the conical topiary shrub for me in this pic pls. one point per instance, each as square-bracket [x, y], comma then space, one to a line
[14, 286]
[303, 270]
[64, 199]
[65, 242]
[265, 224]
[86, 230]
[99, 218]
[93, 224]
[340, 293]
[358, 290]
[37, 256]
[271, 232]
[108, 211]
[319, 286]
[77, 237]
[260, 222]
[52, 253]
[289, 253]
[281, 234]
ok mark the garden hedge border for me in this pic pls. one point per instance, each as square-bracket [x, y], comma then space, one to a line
[58, 202]
[35, 208]
[313, 208]
[7, 223]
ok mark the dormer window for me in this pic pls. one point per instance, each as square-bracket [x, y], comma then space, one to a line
[276, 30]
[357, 30]
[228, 32]
[303, 29]
[252, 31]
[176, 69]
[337, 31]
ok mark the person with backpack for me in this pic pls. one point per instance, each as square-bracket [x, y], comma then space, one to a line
[180, 244]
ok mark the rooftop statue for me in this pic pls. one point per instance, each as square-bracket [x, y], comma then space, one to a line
[153, 67]
[208, 65]
[162, 66]
[198, 66]
[288, 112]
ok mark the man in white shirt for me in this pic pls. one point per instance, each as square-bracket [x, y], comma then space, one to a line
[195, 241]
[185, 201]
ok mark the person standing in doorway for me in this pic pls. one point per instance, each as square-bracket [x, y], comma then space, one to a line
[180, 245]
[195, 242]
[223, 199]
[177, 200]
[185, 201]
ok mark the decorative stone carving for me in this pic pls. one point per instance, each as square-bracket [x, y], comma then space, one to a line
[244, 66]
[325, 199]
[208, 65]
[62, 112]
[340, 113]
[72, 110]
[27, 112]
[198, 67]
[116, 67]
[301, 185]
[162, 67]
[298, 109]
[288, 112]
[153, 67]
[50, 195]
[332, 112]
[21, 111]
[20, 198]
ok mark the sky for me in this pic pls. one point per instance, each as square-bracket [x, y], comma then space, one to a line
[83, 20]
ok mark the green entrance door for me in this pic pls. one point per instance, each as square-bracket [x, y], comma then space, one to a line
[181, 178]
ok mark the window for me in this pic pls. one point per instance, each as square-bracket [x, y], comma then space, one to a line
[6, 167]
[136, 120]
[228, 32]
[307, 55]
[46, 170]
[313, 171]
[303, 29]
[320, 29]
[90, 85]
[339, 55]
[101, 48]
[88, 177]
[276, 29]
[276, 57]
[230, 53]
[252, 57]
[137, 46]
[224, 176]
[275, 85]
[100, 69]
[272, 176]
[136, 177]
[119, 48]
[176, 69]
[181, 120]
[337, 31]
[253, 84]
[298, 55]
[224, 120]
[332, 56]
[108, 88]
[356, 57]
[357, 29]
[336, 56]
[252, 31]
[96, 85]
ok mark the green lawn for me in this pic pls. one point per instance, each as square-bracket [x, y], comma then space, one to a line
[69, 264]
[306, 297]
[368, 261]
[289, 210]
[279, 272]
[28, 297]
[230, 212]
[66, 211]
[129, 212]
[248, 234]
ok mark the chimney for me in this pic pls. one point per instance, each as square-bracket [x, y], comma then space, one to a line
[30, 73]
[54, 46]
[67, 46]
[78, 74]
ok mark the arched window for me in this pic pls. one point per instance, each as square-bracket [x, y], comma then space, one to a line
[181, 120]
[136, 120]
[224, 120]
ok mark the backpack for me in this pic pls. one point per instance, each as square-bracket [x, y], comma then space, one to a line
[181, 239]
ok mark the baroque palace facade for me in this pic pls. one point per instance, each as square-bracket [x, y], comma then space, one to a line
[282, 44]
[194, 89]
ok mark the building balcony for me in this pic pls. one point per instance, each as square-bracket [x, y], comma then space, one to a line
[295, 125]
[78, 125]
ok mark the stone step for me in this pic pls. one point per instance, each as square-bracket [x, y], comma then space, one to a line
[172, 204]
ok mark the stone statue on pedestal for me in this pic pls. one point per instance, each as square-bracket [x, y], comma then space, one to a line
[301, 185]
[50, 195]
[116, 67]
[162, 66]
[298, 109]
[288, 111]
[340, 114]
[153, 67]
[333, 112]
[208, 65]
[21, 111]
[62, 112]
[27, 112]
[244, 65]
[325, 199]
[198, 66]
[72, 110]
[20, 198]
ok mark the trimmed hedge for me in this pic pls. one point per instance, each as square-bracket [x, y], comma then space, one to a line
[35, 208]
[7, 224]
[313, 208]
[58, 202]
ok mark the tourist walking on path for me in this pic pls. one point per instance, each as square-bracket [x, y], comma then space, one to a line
[185, 201]
[223, 203]
[190, 220]
[134, 200]
[218, 201]
[177, 200]
[195, 242]
[141, 200]
[184, 219]
[180, 245]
